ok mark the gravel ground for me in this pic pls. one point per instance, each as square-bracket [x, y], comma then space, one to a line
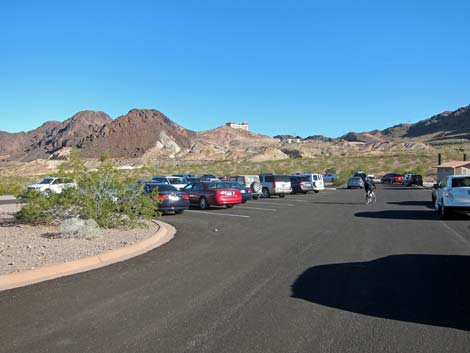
[24, 247]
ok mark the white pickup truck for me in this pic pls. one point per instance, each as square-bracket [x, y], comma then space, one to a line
[453, 195]
[52, 185]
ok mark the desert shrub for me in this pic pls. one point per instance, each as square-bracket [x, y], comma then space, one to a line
[80, 228]
[103, 195]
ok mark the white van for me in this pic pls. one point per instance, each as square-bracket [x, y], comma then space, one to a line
[316, 180]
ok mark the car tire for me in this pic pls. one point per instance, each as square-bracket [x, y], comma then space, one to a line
[282, 195]
[203, 205]
[230, 205]
[266, 193]
[316, 191]
[244, 201]
[444, 213]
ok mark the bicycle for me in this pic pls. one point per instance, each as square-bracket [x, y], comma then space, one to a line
[371, 198]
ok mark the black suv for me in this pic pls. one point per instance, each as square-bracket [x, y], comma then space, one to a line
[415, 179]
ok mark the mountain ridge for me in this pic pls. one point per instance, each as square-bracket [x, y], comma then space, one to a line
[150, 134]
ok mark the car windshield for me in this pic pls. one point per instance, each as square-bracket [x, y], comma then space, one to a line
[461, 182]
[46, 181]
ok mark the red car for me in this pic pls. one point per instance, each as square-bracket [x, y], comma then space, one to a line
[392, 178]
[212, 193]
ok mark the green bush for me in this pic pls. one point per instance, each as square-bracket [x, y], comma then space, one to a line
[103, 195]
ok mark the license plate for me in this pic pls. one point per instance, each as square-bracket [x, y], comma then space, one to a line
[174, 198]
[229, 193]
[308, 184]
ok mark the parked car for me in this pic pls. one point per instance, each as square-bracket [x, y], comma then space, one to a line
[177, 182]
[170, 198]
[187, 178]
[316, 180]
[406, 177]
[355, 182]
[414, 179]
[52, 185]
[300, 184]
[244, 190]
[273, 184]
[208, 177]
[329, 177]
[213, 193]
[360, 174]
[453, 195]
[250, 181]
[392, 178]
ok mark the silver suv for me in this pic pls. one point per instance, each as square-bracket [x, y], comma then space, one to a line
[273, 184]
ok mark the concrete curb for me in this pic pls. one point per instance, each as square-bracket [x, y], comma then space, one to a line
[163, 235]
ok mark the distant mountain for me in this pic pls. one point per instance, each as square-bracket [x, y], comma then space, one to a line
[447, 127]
[52, 136]
[150, 135]
[136, 133]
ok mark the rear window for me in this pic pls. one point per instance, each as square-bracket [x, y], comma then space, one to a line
[461, 182]
[176, 180]
[281, 178]
[221, 185]
[161, 187]
[304, 178]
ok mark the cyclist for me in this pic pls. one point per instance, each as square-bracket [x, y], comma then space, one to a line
[368, 186]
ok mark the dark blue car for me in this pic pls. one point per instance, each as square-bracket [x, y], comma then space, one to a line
[171, 199]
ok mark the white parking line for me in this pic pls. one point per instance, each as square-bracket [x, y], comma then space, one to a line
[219, 214]
[274, 203]
[257, 208]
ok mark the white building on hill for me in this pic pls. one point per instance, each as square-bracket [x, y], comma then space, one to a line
[241, 126]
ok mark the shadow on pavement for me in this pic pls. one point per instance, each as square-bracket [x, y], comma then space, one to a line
[427, 204]
[424, 289]
[425, 215]
[337, 203]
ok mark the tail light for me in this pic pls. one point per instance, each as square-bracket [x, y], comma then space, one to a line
[274, 185]
[162, 197]
[185, 197]
[302, 184]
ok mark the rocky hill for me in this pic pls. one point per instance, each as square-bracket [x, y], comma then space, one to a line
[148, 135]
[51, 137]
[138, 132]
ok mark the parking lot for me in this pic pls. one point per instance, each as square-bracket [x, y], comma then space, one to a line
[304, 273]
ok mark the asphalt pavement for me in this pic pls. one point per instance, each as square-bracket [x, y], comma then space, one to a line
[305, 273]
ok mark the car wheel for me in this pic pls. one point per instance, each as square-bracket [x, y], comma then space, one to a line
[203, 203]
[244, 201]
[316, 191]
[282, 195]
[255, 197]
[443, 212]
[230, 205]
[266, 193]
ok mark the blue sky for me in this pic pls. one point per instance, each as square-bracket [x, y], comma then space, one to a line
[292, 67]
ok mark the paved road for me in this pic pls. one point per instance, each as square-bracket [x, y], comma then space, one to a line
[315, 273]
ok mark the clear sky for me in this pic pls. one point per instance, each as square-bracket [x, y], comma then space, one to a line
[286, 67]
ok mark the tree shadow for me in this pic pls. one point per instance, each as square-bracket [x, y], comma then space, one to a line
[427, 204]
[424, 289]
